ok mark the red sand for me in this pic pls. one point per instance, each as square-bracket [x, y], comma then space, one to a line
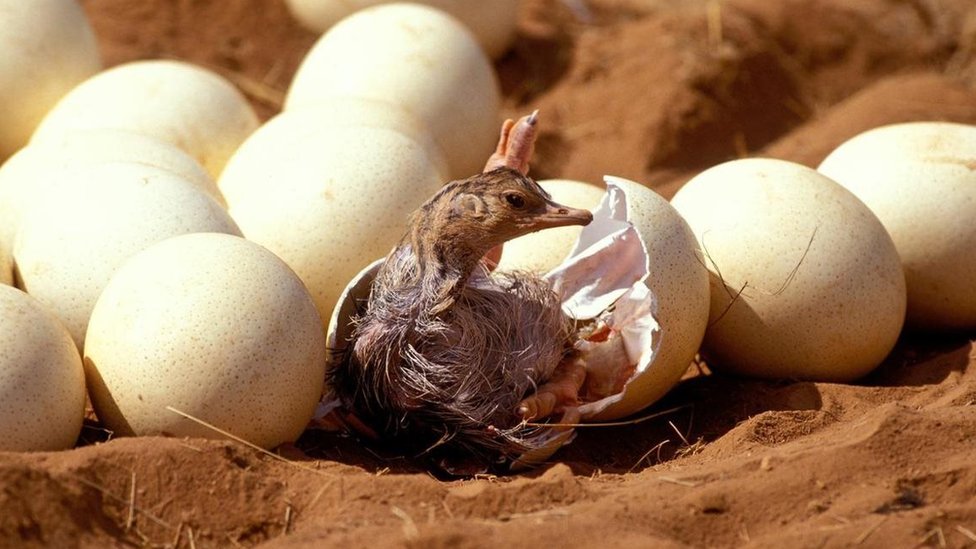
[651, 91]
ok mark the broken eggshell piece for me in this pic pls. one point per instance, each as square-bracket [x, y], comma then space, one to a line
[602, 284]
[603, 280]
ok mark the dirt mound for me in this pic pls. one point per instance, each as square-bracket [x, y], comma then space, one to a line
[653, 91]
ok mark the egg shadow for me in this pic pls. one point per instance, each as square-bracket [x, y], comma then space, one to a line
[703, 408]
[711, 404]
[349, 449]
[920, 359]
[94, 430]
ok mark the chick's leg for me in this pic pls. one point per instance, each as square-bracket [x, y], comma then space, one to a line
[559, 394]
[601, 369]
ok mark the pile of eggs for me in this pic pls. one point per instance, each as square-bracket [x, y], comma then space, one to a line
[815, 273]
[175, 259]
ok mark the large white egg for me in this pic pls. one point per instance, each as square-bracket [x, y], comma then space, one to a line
[806, 283]
[33, 171]
[42, 384]
[493, 23]
[920, 180]
[416, 57]
[327, 199]
[679, 280]
[277, 137]
[191, 107]
[47, 48]
[70, 243]
[213, 326]
[542, 251]
[102, 145]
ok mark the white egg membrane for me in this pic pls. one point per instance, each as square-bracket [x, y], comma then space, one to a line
[602, 282]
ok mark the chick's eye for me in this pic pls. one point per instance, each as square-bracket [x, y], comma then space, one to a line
[515, 200]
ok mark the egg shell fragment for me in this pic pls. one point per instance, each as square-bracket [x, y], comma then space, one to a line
[805, 281]
[492, 23]
[679, 280]
[418, 58]
[542, 251]
[48, 48]
[327, 200]
[70, 243]
[42, 383]
[920, 180]
[213, 326]
[191, 107]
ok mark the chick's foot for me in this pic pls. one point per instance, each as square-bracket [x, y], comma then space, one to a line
[560, 394]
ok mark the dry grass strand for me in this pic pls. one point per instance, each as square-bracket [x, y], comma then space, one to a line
[614, 423]
[132, 503]
[870, 530]
[240, 440]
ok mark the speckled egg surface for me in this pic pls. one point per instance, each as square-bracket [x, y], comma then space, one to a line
[419, 58]
[102, 145]
[33, 172]
[191, 107]
[71, 242]
[251, 167]
[213, 326]
[42, 384]
[679, 280]
[328, 200]
[806, 282]
[544, 250]
[920, 180]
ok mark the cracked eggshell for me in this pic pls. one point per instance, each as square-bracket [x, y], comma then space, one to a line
[544, 250]
[48, 48]
[328, 200]
[191, 107]
[42, 384]
[214, 326]
[805, 281]
[418, 58]
[71, 242]
[678, 278]
[492, 23]
[919, 178]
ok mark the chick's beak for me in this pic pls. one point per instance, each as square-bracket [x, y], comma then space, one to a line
[557, 215]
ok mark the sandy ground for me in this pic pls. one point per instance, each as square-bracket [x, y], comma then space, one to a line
[654, 91]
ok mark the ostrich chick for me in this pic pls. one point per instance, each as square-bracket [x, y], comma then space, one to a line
[446, 355]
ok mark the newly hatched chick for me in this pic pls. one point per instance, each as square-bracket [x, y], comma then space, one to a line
[445, 353]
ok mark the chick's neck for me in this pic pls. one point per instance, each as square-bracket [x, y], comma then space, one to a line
[445, 256]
